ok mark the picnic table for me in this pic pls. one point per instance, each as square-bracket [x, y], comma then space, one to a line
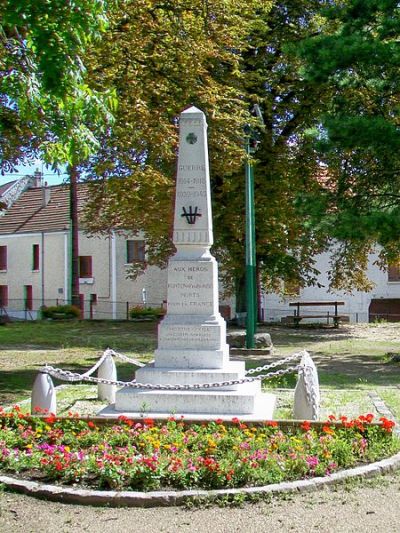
[297, 317]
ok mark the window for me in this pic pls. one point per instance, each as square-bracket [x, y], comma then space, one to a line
[35, 257]
[3, 295]
[93, 298]
[394, 271]
[3, 257]
[134, 251]
[85, 266]
[28, 297]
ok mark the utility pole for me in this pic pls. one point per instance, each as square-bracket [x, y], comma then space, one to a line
[251, 261]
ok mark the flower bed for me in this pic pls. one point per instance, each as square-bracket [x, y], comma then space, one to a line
[130, 455]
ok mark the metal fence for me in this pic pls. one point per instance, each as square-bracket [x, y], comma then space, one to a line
[20, 309]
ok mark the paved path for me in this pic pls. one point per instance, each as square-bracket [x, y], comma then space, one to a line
[370, 506]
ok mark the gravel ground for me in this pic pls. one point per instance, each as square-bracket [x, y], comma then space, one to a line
[368, 507]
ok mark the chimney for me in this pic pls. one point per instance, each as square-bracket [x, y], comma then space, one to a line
[46, 195]
[37, 178]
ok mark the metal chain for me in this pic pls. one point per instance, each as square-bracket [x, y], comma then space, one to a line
[126, 358]
[72, 376]
[96, 366]
[297, 355]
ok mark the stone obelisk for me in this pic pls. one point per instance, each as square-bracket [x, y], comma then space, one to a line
[192, 337]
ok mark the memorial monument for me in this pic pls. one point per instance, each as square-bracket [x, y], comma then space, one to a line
[192, 345]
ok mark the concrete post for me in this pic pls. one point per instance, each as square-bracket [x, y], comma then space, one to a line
[43, 394]
[306, 393]
[107, 370]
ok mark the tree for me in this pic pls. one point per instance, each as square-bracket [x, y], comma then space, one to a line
[46, 106]
[231, 57]
[357, 63]
[162, 57]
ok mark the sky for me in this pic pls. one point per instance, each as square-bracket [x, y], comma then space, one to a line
[51, 177]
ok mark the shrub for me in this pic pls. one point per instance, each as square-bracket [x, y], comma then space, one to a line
[152, 313]
[58, 312]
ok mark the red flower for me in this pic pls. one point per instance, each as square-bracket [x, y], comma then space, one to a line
[306, 426]
[387, 424]
[332, 417]
[271, 423]
[328, 430]
[235, 420]
[50, 419]
[91, 424]
[148, 421]
[219, 421]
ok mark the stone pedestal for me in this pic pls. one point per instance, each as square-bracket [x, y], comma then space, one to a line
[192, 346]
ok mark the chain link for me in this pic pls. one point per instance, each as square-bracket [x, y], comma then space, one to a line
[289, 359]
[127, 359]
[66, 375]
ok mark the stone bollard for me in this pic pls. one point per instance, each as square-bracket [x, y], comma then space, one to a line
[306, 393]
[107, 370]
[43, 394]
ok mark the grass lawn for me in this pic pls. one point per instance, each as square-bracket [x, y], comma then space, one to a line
[349, 358]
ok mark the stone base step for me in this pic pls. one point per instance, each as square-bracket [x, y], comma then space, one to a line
[162, 376]
[264, 406]
[194, 401]
[191, 358]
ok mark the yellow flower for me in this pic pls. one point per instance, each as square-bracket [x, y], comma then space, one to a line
[67, 448]
[29, 446]
[47, 428]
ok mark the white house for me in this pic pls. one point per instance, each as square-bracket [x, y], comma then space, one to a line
[35, 257]
[383, 302]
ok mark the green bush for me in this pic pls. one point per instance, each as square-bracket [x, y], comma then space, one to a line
[61, 312]
[153, 313]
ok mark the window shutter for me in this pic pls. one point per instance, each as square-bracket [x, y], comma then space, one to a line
[3, 295]
[85, 266]
[394, 272]
[3, 257]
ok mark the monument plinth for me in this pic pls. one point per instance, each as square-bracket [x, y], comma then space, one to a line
[192, 344]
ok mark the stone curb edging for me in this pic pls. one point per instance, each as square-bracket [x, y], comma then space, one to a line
[169, 498]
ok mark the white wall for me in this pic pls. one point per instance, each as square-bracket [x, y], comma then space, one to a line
[356, 304]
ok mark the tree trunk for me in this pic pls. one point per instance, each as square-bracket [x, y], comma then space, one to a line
[73, 205]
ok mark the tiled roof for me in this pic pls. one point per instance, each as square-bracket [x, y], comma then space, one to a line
[29, 214]
[5, 187]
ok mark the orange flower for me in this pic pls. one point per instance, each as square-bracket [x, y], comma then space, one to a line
[271, 423]
[328, 430]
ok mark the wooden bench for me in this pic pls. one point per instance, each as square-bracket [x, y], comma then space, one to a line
[297, 317]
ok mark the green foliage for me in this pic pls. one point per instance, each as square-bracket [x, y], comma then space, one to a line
[356, 60]
[59, 312]
[146, 312]
[46, 105]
